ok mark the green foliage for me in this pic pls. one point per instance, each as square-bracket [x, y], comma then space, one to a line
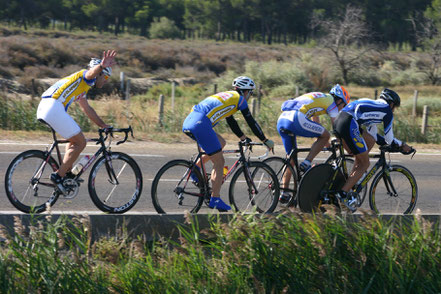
[164, 28]
[288, 253]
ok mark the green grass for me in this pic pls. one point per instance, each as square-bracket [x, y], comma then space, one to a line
[289, 253]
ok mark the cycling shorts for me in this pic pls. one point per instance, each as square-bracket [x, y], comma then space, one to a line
[201, 127]
[351, 132]
[53, 112]
[297, 123]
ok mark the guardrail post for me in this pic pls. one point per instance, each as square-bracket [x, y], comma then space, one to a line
[415, 99]
[425, 119]
[161, 110]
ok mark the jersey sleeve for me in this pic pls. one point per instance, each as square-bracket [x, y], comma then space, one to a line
[88, 82]
[242, 104]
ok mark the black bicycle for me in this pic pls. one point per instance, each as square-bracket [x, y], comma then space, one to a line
[115, 180]
[289, 175]
[393, 189]
[253, 186]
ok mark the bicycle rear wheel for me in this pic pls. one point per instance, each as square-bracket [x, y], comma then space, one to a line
[255, 188]
[115, 186]
[313, 185]
[393, 191]
[173, 190]
[282, 169]
[27, 182]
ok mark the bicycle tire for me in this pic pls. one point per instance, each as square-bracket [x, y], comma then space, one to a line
[106, 194]
[405, 185]
[349, 164]
[314, 182]
[280, 167]
[180, 196]
[265, 181]
[21, 183]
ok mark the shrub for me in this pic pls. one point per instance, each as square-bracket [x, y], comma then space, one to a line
[164, 28]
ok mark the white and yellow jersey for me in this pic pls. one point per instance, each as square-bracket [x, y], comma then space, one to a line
[221, 105]
[68, 89]
[312, 104]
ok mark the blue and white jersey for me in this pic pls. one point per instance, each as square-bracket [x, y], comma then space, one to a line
[370, 113]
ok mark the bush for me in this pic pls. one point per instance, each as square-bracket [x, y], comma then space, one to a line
[164, 28]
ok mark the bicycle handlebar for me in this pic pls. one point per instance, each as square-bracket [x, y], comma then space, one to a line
[249, 145]
[112, 130]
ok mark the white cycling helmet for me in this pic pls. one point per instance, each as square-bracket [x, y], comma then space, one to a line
[244, 83]
[95, 61]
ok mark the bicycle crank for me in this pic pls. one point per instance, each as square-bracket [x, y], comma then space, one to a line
[72, 188]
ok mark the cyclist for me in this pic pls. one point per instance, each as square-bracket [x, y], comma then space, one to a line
[57, 99]
[300, 117]
[366, 112]
[205, 115]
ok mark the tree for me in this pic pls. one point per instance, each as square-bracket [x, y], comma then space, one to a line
[344, 36]
[429, 37]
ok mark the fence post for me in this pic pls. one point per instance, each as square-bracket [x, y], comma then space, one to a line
[215, 88]
[415, 99]
[121, 78]
[33, 90]
[161, 110]
[297, 91]
[127, 96]
[375, 94]
[173, 88]
[425, 119]
[253, 106]
[259, 98]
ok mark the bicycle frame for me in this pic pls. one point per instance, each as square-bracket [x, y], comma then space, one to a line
[240, 161]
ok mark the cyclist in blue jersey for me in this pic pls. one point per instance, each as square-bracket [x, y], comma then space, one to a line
[57, 99]
[205, 115]
[368, 113]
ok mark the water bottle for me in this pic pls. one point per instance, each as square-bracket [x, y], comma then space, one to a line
[79, 166]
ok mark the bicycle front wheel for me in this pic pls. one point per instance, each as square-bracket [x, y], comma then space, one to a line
[285, 172]
[27, 182]
[115, 185]
[393, 190]
[174, 191]
[254, 188]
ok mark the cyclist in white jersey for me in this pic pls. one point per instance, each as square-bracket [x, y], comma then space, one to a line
[57, 99]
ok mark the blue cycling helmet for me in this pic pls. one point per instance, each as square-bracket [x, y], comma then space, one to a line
[339, 92]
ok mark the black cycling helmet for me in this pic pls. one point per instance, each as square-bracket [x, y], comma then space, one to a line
[390, 96]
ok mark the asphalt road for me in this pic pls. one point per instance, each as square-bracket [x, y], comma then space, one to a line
[151, 156]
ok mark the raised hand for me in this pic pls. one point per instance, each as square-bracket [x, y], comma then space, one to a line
[108, 59]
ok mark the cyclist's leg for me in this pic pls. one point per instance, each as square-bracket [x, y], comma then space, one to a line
[359, 145]
[307, 128]
[285, 129]
[53, 113]
[76, 145]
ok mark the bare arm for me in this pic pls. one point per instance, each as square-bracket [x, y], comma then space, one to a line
[91, 113]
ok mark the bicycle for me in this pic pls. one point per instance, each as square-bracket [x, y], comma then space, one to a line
[393, 189]
[115, 180]
[283, 166]
[173, 190]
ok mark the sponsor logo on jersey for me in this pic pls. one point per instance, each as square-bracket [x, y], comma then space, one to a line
[69, 90]
[312, 111]
[217, 115]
